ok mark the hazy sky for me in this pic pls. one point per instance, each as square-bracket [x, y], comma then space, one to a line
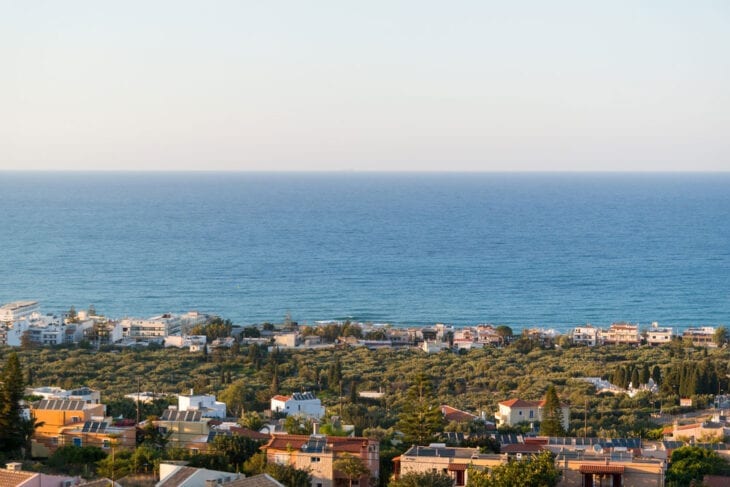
[367, 85]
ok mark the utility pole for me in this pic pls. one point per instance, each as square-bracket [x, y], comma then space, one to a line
[138, 394]
[585, 419]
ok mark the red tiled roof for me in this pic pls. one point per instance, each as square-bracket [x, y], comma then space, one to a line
[249, 433]
[453, 414]
[520, 403]
[281, 398]
[601, 468]
[11, 479]
[340, 444]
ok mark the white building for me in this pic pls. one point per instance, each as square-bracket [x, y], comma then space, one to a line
[194, 343]
[205, 403]
[586, 335]
[299, 403]
[18, 310]
[157, 328]
[657, 335]
[85, 394]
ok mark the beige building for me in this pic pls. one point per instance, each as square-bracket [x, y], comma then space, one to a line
[518, 411]
[188, 429]
[657, 335]
[621, 334]
[317, 453]
[578, 469]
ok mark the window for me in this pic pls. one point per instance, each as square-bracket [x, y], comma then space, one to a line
[194, 451]
[532, 413]
[105, 443]
[77, 442]
[314, 459]
[54, 440]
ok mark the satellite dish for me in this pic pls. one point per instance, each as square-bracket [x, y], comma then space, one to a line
[597, 448]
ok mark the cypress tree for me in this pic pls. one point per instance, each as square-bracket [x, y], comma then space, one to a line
[635, 378]
[644, 375]
[11, 393]
[552, 415]
[656, 374]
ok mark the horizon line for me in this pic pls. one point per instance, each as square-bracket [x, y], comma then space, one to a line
[367, 171]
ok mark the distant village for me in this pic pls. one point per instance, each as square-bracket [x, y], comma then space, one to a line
[22, 322]
[78, 416]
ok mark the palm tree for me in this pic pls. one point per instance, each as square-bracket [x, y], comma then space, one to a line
[27, 429]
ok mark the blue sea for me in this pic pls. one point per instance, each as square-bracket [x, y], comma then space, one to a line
[549, 250]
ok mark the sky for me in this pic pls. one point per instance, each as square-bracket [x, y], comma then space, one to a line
[365, 86]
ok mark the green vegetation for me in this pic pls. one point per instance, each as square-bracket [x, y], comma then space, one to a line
[424, 479]
[537, 470]
[689, 464]
[13, 428]
[552, 415]
[415, 385]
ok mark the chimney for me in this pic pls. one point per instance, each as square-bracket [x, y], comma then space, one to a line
[315, 427]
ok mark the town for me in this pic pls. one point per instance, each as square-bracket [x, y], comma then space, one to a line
[299, 404]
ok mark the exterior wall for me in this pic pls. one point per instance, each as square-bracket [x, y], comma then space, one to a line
[311, 408]
[618, 334]
[701, 337]
[286, 339]
[49, 435]
[659, 336]
[18, 310]
[184, 432]
[202, 402]
[510, 416]
[635, 474]
[585, 335]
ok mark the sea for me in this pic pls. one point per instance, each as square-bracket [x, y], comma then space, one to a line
[551, 250]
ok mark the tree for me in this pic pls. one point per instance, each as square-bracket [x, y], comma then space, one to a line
[537, 470]
[298, 425]
[12, 431]
[721, 336]
[423, 479]
[27, 428]
[286, 474]
[251, 420]
[691, 463]
[504, 332]
[656, 374]
[152, 436]
[236, 449]
[351, 467]
[115, 466]
[75, 460]
[421, 416]
[552, 415]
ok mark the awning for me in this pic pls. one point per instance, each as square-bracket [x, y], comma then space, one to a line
[594, 468]
[457, 467]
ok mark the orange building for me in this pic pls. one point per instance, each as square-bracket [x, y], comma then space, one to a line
[57, 416]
